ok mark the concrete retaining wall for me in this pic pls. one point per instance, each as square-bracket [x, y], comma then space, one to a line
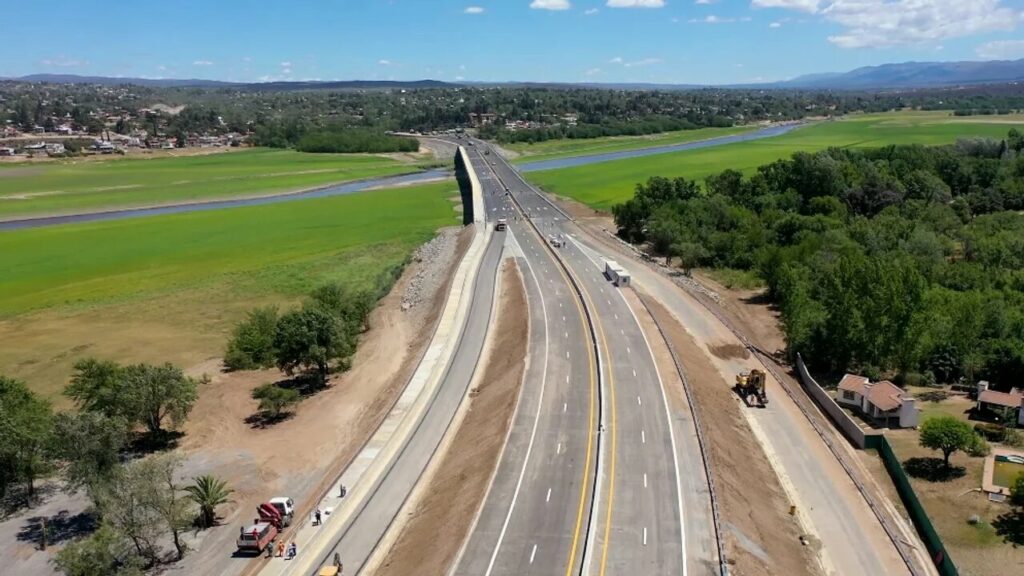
[828, 404]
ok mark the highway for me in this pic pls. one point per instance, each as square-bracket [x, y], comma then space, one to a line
[652, 513]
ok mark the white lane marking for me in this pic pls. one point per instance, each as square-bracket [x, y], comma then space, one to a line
[645, 479]
[638, 402]
[634, 373]
[548, 498]
[566, 353]
[533, 431]
[621, 331]
[565, 406]
[643, 437]
[566, 334]
[616, 316]
[645, 543]
[627, 350]
[534, 552]
[566, 378]
[559, 449]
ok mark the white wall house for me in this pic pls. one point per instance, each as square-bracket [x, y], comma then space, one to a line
[992, 400]
[882, 401]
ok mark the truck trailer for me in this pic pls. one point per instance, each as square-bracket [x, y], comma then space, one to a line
[617, 274]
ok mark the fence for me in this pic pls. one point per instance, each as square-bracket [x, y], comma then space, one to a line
[879, 442]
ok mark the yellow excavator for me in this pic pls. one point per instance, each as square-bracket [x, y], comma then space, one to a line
[750, 387]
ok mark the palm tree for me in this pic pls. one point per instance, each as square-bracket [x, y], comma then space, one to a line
[208, 492]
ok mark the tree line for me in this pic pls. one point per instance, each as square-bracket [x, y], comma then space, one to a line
[331, 139]
[902, 260]
[139, 503]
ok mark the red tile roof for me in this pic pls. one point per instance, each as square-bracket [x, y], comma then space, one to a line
[885, 395]
[853, 383]
[1009, 399]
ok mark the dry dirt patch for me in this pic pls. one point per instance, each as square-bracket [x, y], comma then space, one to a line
[760, 536]
[431, 537]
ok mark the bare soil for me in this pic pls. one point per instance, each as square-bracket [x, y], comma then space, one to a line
[302, 455]
[760, 536]
[432, 536]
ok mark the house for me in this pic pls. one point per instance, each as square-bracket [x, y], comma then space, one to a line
[882, 401]
[993, 402]
[5, 151]
[54, 148]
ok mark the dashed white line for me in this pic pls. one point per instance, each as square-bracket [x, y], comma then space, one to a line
[627, 350]
[638, 402]
[566, 353]
[634, 373]
[548, 498]
[534, 552]
[565, 406]
[558, 450]
[643, 437]
[616, 316]
[645, 479]
[645, 544]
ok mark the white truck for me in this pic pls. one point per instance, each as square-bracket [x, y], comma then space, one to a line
[501, 225]
[617, 274]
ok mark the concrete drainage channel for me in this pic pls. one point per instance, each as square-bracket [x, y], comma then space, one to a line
[378, 456]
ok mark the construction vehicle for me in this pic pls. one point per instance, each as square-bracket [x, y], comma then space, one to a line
[752, 385]
[501, 225]
[277, 511]
[335, 568]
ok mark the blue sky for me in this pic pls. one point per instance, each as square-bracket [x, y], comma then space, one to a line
[665, 41]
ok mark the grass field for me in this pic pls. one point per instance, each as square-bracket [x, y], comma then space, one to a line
[564, 148]
[608, 183]
[76, 185]
[169, 288]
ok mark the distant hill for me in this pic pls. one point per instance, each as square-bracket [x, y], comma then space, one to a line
[278, 86]
[914, 75]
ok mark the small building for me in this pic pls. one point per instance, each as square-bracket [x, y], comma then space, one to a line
[992, 403]
[882, 401]
[54, 148]
[6, 151]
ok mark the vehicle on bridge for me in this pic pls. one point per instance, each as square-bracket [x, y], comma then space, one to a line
[751, 385]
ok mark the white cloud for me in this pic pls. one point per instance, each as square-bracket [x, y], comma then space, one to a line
[550, 5]
[711, 19]
[246, 58]
[705, 1]
[590, 11]
[593, 72]
[616, 60]
[643, 62]
[802, 5]
[880, 23]
[1001, 50]
[162, 68]
[383, 62]
[202, 63]
[636, 3]
[286, 64]
[459, 78]
[286, 71]
[474, 10]
[775, 25]
[64, 62]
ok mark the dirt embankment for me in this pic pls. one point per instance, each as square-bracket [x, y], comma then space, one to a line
[431, 537]
[760, 536]
[300, 457]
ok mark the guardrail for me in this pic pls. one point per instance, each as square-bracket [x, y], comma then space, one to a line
[723, 565]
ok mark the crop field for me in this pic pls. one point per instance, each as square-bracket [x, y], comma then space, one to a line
[169, 288]
[552, 149]
[608, 183]
[77, 186]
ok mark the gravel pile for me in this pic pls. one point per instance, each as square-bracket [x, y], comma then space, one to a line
[432, 261]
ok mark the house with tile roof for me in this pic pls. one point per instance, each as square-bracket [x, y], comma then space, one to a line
[992, 402]
[883, 402]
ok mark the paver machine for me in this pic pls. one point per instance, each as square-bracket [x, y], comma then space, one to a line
[750, 387]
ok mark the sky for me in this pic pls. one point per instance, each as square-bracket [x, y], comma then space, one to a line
[661, 41]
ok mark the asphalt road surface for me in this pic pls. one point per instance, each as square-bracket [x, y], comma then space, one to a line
[652, 514]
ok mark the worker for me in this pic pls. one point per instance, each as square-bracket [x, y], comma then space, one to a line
[292, 550]
[317, 513]
[342, 491]
[270, 549]
[280, 548]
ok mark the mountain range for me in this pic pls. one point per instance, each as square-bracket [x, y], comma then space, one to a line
[886, 76]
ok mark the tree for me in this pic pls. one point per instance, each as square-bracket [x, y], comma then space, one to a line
[948, 434]
[90, 443]
[690, 255]
[96, 386]
[105, 552]
[310, 338]
[208, 492]
[173, 507]
[1017, 491]
[26, 424]
[252, 341]
[274, 400]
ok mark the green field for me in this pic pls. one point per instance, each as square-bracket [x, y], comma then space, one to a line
[552, 149]
[169, 288]
[72, 185]
[608, 183]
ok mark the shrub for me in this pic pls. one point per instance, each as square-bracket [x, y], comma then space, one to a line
[1013, 438]
[991, 432]
[978, 447]
[274, 400]
[252, 341]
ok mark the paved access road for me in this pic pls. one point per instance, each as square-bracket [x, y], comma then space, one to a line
[651, 514]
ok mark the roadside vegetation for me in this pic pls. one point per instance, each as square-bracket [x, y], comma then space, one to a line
[901, 260]
[68, 187]
[603, 185]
